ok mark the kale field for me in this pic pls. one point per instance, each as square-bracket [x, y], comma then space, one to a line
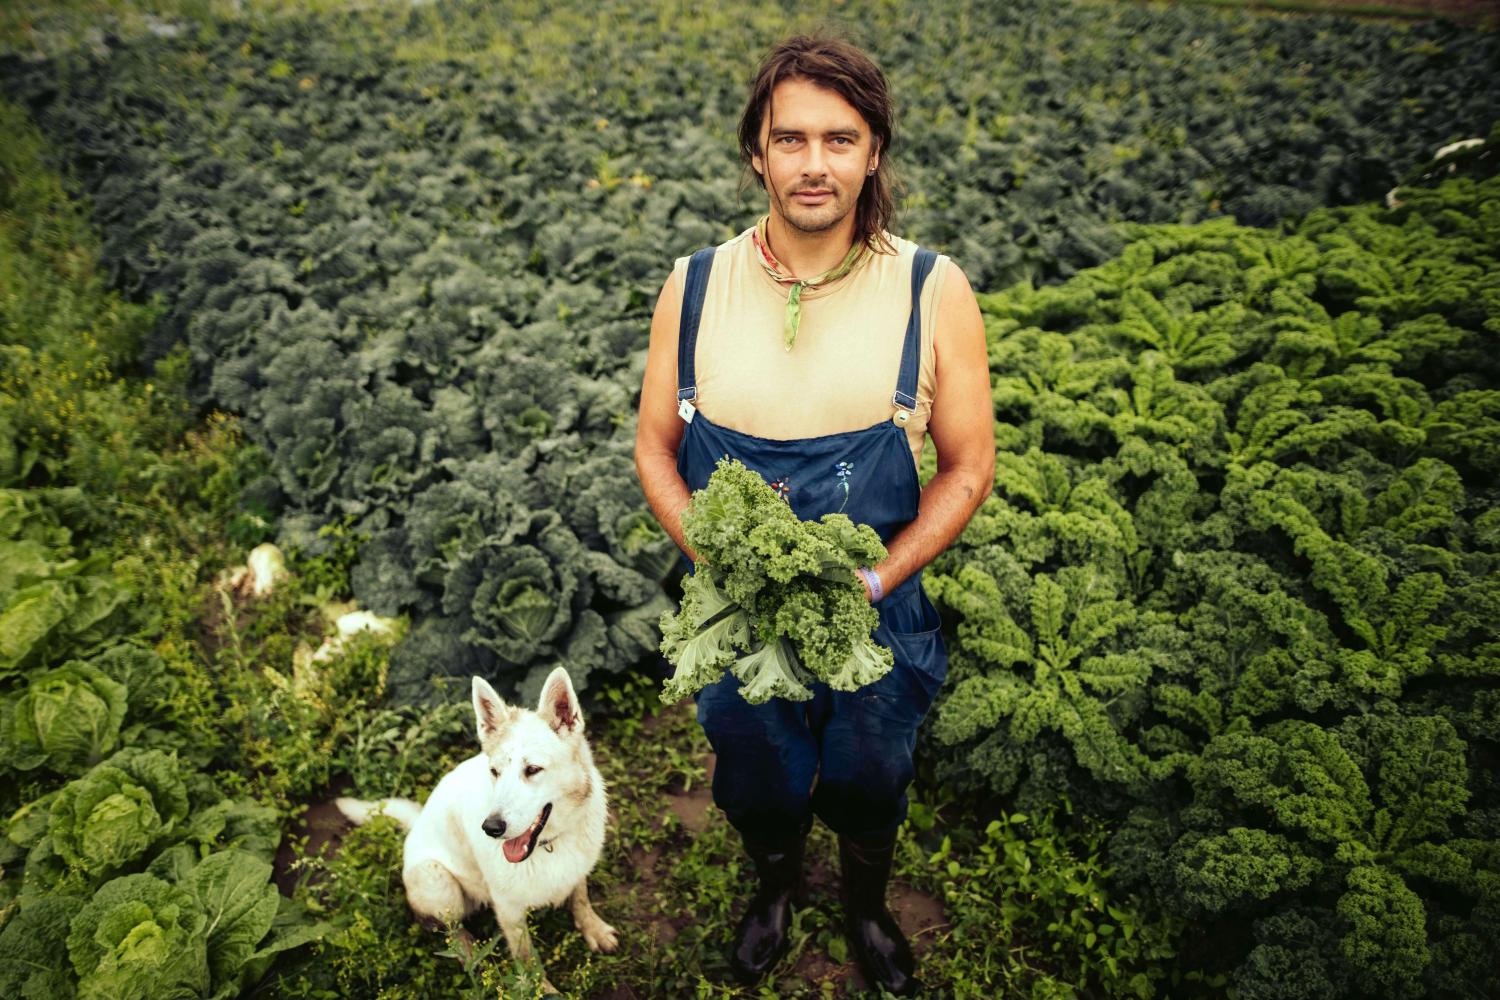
[372, 282]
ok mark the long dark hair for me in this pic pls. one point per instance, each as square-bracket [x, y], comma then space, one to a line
[844, 69]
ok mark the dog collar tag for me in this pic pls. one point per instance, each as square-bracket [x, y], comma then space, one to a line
[685, 410]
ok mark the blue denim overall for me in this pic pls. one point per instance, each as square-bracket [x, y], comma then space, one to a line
[858, 745]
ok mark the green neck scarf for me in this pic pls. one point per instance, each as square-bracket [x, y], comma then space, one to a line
[779, 273]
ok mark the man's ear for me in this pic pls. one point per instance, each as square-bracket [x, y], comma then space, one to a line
[491, 715]
[558, 706]
[759, 163]
[874, 158]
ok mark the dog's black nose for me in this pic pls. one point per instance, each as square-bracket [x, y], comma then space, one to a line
[494, 826]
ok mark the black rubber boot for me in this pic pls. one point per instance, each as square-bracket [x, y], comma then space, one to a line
[761, 939]
[880, 947]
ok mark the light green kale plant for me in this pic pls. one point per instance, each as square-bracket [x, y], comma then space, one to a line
[774, 599]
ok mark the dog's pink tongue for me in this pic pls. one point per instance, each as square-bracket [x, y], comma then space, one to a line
[515, 847]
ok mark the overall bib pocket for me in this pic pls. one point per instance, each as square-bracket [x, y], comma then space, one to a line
[911, 629]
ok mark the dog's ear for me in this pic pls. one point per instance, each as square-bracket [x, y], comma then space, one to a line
[491, 714]
[559, 704]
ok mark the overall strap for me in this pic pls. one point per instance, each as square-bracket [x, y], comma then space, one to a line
[911, 349]
[699, 265]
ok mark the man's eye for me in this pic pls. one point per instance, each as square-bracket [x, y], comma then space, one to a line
[532, 769]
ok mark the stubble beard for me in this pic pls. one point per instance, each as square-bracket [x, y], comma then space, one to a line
[811, 220]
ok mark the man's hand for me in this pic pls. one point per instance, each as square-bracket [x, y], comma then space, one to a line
[658, 427]
[962, 426]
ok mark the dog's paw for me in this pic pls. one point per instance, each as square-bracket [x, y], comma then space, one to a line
[602, 937]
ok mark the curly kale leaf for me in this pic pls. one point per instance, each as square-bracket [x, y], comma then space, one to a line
[1302, 775]
[1077, 681]
[785, 607]
[1253, 645]
[1043, 376]
[1238, 866]
[1422, 776]
[1043, 509]
[1466, 428]
[721, 516]
[1387, 940]
[1423, 499]
[1396, 624]
[867, 663]
[1295, 958]
[770, 672]
[1159, 407]
[829, 627]
[703, 637]
[1187, 339]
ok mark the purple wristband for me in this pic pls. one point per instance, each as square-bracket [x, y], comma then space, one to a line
[873, 579]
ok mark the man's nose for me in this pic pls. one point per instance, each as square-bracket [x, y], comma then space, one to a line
[814, 164]
[494, 826]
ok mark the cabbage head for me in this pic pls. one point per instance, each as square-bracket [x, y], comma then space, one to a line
[643, 545]
[140, 938]
[523, 598]
[28, 618]
[117, 812]
[66, 720]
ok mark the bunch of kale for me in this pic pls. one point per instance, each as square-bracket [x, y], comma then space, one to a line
[774, 598]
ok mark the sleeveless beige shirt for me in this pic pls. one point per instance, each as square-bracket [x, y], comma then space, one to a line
[841, 373]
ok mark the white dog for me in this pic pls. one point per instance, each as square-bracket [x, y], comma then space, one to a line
[518, 825]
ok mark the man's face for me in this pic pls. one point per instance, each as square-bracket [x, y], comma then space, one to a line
[815, 152]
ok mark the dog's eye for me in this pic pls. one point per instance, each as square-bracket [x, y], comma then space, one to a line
[532, 769]
[494, 773]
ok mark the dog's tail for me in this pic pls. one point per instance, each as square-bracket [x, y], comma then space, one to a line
[359, 811]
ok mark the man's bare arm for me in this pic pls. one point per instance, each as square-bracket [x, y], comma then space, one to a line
[658, 427]
[962, 426]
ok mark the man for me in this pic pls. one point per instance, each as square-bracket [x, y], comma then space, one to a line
[820, 350]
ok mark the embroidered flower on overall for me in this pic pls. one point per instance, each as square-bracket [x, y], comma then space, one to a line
[843, 470]
[783, 487]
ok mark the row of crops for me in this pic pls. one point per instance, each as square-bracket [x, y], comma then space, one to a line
[131, 867]
[1237, 588]
[1234, 595]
